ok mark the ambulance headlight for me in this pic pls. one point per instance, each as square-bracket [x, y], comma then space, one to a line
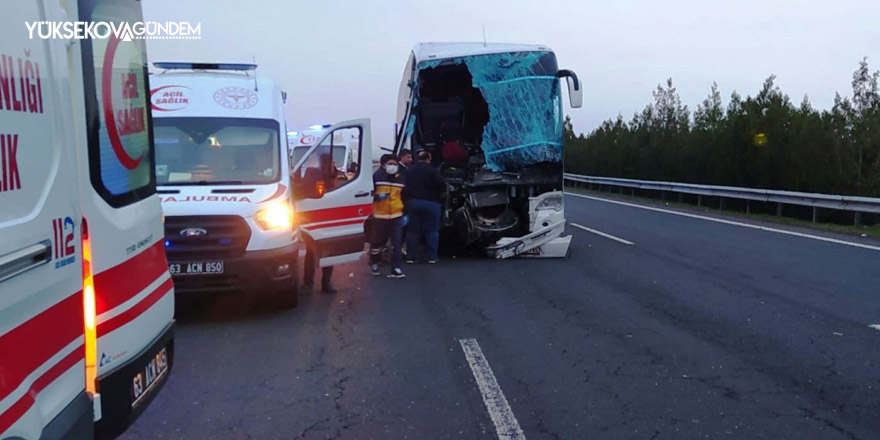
[277, 215]
[553, 202]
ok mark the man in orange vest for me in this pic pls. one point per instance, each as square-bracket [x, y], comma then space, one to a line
[388, 183]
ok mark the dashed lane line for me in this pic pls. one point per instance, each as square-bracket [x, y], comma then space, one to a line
[506, 425]
[602, 234]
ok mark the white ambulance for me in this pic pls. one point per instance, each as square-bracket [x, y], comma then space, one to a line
[86, 300]
[223, 172]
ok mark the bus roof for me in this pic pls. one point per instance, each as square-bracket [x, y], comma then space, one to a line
[439, 51]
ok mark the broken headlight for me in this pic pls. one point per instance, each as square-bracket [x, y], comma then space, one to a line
[553, 202]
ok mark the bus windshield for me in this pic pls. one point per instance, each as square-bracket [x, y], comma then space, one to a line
[216, 151]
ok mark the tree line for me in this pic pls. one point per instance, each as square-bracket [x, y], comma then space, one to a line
[763, 141]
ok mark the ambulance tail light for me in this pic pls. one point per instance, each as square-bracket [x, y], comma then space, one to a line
[89, 311]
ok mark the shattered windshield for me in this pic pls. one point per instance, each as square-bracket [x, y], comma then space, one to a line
[521, 91]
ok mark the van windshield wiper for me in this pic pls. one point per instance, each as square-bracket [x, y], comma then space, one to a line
[204, 183]
[220, 182]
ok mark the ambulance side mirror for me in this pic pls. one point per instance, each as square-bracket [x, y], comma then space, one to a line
[310, 185]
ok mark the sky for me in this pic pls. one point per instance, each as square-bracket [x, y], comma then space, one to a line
[342, 60]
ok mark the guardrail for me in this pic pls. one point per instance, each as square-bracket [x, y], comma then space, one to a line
[855, 204]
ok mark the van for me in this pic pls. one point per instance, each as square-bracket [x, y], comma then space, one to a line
[222, 167]
[233, 213]
[491, 116]
[299, 142]
[86, 299]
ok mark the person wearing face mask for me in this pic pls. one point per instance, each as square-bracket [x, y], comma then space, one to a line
[388, 184]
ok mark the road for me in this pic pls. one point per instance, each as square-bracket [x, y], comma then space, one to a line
[697, 329]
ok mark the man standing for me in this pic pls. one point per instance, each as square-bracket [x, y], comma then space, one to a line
[329, 173]
[422, 194]
[388, 184]
[406, 159]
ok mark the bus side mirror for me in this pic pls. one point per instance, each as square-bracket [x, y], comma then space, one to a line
[575, 91]
[310, 185]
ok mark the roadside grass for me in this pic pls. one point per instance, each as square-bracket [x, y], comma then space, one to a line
[865, 231]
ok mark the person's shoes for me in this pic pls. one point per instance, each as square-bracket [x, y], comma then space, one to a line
[432, 261]
[328, 288]
[410, 261]
[374, 269]
[396, 273]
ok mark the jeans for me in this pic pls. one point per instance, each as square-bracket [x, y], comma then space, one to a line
[424, 224]
[383, 229]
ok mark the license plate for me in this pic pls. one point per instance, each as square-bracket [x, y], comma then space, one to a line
[196, 268]
[149, 376]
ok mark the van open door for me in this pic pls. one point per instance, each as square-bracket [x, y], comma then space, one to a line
[334, 199]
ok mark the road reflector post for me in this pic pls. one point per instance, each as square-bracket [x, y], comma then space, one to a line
[748, 206]
[858, 220]
[779, 209]
[699, 200]
[815, 214]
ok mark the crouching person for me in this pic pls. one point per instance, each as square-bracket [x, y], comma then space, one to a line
[388, 183]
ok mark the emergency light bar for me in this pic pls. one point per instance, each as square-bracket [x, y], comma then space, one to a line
[174, 65]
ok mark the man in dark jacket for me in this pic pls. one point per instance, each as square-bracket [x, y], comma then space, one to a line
[329, 172]
[422, 197]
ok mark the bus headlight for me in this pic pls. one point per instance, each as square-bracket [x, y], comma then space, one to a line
[553, 202]
[277, 215]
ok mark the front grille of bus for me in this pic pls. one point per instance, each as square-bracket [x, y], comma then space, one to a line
[226, 236]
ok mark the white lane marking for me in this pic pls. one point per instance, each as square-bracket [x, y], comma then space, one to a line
[875, 326]
[618, 239]
[730, 222]
[502, 416]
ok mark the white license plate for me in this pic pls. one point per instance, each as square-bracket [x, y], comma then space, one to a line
[196, 268]
[149, 376]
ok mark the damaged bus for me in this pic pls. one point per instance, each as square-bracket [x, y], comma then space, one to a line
[491, 117]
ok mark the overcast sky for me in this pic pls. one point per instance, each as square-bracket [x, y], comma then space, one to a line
[343, 59]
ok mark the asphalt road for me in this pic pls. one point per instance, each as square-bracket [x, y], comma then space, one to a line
[696, 330]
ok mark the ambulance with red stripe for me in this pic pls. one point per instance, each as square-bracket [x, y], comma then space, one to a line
[223, 171]
[86, 299]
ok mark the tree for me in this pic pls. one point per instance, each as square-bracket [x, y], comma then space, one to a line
[761, 141]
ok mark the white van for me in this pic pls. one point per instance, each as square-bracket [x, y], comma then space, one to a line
[223, 171]
[299, 142]
[86, 300]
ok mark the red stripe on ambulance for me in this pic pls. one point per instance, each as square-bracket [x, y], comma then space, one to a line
[23, 404]
[330, 214]
[136, 310]
[35, 341]
[122, 282]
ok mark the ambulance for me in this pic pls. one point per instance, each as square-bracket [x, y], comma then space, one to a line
[86, 298]
[224, 176]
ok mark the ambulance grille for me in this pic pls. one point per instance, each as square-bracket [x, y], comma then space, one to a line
[223, 236]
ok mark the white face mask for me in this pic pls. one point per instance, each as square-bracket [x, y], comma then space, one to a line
[391, 169]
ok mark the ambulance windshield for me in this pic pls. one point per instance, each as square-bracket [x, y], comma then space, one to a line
[216, 151]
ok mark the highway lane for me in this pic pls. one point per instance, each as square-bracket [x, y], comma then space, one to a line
[696, 330]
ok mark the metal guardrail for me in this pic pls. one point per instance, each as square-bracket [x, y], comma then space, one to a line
[854, 204]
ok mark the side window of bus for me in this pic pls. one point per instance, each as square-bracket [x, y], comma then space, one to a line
[336, 157]
[118, 116]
